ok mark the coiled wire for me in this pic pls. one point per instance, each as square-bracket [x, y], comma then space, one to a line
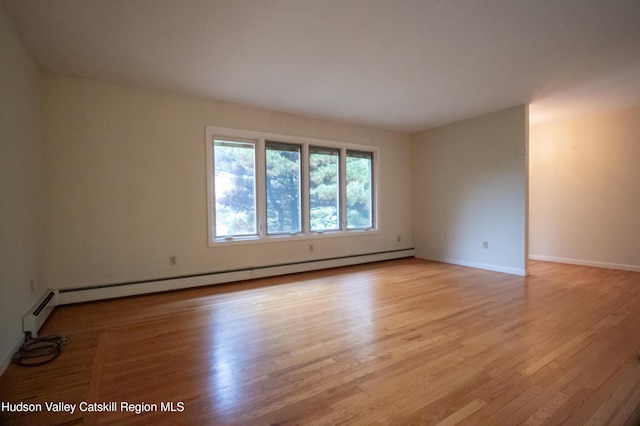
[39, 350]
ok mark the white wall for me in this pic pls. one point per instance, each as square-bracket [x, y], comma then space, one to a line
[20, 187]
[470, 186]
[126, 189]
[585, 190]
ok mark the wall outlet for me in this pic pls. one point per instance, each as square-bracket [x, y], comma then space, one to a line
[485, 244]
[311, 247]
[399, 239]
[172, 260]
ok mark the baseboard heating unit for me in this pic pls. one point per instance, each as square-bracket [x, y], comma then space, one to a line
[38, 314]
[66, 296]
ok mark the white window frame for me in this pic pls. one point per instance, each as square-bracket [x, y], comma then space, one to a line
[257, 171]
[301, 194]
[340, 200]
[260, 139]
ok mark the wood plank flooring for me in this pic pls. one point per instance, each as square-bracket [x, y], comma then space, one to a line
[400, 342]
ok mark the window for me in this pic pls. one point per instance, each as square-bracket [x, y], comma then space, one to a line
[284, 212]
[359, 194]
[267, 187]
[235, 183]
[324, 189]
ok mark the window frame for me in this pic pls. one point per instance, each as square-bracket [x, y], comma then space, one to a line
[256, 201]
[260, 139]
[311, 148]
[371, 183]
[272, 143]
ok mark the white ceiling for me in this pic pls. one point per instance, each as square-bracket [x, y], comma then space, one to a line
[398, 64]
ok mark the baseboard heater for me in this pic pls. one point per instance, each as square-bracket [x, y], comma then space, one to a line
[66, 296]
[38, 314]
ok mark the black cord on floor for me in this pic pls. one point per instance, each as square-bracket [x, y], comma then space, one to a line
[39, 350]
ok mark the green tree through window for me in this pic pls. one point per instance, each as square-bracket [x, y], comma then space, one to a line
[324, 189]
[235, 188]
[260, 188]
[283, 188]
[359, 185]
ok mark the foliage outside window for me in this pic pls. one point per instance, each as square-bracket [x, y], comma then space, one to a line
[359, 199]
[279, 187]
[324, 189]
[235, 183]
[283, 188]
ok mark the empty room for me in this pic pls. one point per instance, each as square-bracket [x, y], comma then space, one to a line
[319, 212]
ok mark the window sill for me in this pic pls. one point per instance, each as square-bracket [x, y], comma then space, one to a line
[220, 242]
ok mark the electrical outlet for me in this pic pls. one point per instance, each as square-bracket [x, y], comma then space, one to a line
[485, 244]
[311, 247]
[399, 239]
[172, 260]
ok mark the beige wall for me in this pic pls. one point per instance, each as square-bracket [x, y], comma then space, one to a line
[20, 187]
[470, 186]
[585, 190]
[126, 188]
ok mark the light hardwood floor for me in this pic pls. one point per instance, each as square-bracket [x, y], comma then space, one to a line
[399, 342]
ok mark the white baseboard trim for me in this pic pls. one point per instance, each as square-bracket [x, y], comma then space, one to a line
[6, 359]
[478, 265]
[110, 291]
[605, 265]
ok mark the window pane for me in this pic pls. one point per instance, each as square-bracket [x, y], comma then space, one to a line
[235, 188]
[324, 189]
[283, 188]
[359, 189]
